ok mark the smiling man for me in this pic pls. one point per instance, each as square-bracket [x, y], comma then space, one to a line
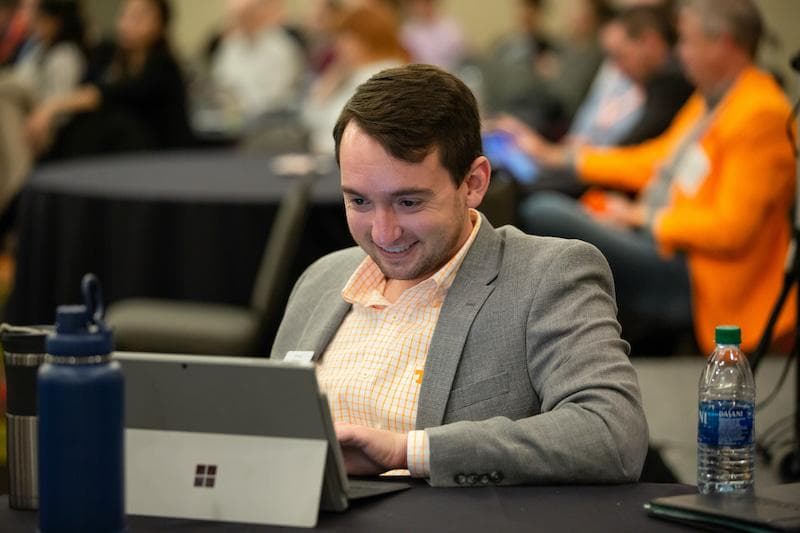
[466, 354]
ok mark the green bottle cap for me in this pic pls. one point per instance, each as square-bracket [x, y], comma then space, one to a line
[728, 335]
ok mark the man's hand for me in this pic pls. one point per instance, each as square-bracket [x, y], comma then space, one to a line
[370, 451]
[618, 211]
[39, 128]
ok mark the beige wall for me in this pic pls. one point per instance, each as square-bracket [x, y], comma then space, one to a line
[195, 20]
[783, 22]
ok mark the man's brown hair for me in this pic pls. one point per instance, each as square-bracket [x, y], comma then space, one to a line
[638, 19]
[412, 111]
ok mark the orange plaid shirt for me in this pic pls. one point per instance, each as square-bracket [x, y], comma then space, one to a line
[373, 368]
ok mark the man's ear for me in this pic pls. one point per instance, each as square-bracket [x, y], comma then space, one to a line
[477, 181]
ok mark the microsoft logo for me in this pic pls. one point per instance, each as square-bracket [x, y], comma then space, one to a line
[205, 476]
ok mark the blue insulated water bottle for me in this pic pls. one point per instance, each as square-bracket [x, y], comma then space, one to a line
[80, 395]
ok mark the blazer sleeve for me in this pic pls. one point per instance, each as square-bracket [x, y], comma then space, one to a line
[591, 428]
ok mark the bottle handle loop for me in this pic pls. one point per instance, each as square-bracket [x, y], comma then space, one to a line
[93, 299]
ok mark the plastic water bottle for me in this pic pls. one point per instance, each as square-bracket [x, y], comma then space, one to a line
[725, 429]
[80, 394]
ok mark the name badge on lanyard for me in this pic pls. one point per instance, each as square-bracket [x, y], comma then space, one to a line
[692, 170]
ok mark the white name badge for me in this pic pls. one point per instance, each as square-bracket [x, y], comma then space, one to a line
[692, 169]
[299, 356]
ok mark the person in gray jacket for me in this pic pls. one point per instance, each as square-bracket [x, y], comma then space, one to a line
[466, 354]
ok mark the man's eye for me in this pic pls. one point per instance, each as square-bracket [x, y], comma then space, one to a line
[358, 204]
[409, 203]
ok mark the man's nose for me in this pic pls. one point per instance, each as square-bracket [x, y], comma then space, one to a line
[385, 227]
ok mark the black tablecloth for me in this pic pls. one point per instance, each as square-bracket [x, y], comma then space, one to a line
[567, 508]
[182, 225]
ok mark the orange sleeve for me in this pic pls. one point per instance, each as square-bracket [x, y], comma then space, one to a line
[756, 174]
[632, 167]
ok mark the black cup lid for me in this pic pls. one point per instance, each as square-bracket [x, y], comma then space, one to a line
[26, 341]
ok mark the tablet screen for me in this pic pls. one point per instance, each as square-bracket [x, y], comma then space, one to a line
[504, 154]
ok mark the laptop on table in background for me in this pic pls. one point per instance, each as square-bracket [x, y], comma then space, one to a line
[232, 439]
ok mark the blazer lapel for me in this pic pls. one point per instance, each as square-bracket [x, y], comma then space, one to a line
[473, 284]
[324, 322]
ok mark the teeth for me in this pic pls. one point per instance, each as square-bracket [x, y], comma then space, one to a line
[396, 249]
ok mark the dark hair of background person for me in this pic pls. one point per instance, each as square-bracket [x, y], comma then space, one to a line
[165, 16]
[164, 13]
[412, 111]
[602, 10]
[72, 28]
[160, 46]
[638, 19]
[740, 18]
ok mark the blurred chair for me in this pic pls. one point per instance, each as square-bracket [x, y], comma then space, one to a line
[153, 325]
[501, 199]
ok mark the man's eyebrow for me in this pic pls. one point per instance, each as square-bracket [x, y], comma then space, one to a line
[410, 191]
[413, 191]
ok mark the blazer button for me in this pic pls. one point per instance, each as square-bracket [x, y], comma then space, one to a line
[460, 479]
[472, 479]
[496, 476]
[484, 479]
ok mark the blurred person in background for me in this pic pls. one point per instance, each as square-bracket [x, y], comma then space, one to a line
[367, 42]
[16, 26]
[52, 65]
[527, 44]
[575, 64]
[639, 42]
[543, 85]
[510, 78]
[432, 37]
[613, 105]
[610, 110]
[134, 97]
[55, 62]
[320, 28]
[705, 241]
[257, 60]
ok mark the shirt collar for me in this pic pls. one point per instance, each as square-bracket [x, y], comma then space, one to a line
[366, 285]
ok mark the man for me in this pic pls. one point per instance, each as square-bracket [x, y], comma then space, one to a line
[643, 50]
[468, 355]
[639, 42]
[706, 241]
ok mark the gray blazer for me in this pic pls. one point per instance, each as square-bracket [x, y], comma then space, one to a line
[526, 379]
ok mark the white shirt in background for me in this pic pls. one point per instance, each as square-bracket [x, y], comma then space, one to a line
[50, 73]
[262, 72]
